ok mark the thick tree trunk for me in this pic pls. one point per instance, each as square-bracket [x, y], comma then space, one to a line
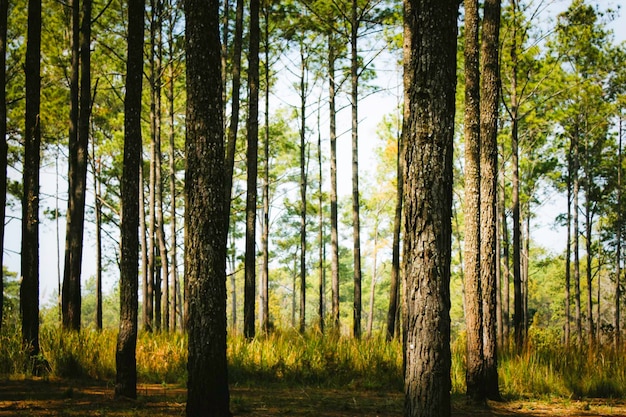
[4, 10]
[354, 76]
[252, 163]
[474, 377]
[322, 244]
[430, 79]
[205, 210]
[334, 233]
[126, 360]
[29, 287]
[489, 100]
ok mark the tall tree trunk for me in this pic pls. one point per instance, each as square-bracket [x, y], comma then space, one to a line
[568, 253]
[172, 171]
[575, 207]
[303, 184]
[334, 233]
[506, 271]
[4, 10]
[518, 307]
[618, 238]
[70, 299]
[322, 245]
[429, 82]
[205, 210]
[265, 232]
[354, 76]
[394, 287]
[233, 128]
[147, 311]
[155, 141]
[125, 357]
[163, 316]
[489, 100]
[29, 287]
[474, 377]
[589, 258]
[252, 162]
[97, 183]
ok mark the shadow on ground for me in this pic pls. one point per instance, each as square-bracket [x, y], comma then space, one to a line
[41, 397]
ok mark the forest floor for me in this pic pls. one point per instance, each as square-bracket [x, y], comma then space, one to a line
[42, 397]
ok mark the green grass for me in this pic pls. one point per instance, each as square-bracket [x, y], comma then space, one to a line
[544, 369]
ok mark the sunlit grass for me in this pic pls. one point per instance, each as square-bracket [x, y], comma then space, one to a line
[545, 368]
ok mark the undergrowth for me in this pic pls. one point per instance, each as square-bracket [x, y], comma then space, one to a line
[544, 368]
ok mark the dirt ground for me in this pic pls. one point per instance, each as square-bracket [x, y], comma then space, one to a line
[71, 398]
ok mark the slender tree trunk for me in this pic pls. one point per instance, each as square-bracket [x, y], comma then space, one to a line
[489, 100]
[568, 254]
[575, 207]
[265, 233]
[334, 234]
[322, 247]
[172, 171]
[252, 161]
[618, 238]
[354, 76]
[205, 210]
[429, 82]
[233, 285]
[70, 299]
[474, 377]
[163, 320]
[506, 272]
[4, 10]
[370, 316]
[233, 128]
[518, 319]
[394, 287]
[125, 357]
[29, 287]
[146, 292]
[303, 184]
[589, 258]
[97, 170]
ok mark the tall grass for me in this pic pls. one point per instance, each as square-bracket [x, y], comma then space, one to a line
[544, 368]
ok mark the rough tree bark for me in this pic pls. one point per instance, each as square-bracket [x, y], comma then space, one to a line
[474, 378]
[205, 210]
[430, 81]
[29, 287]
[354, 76]
[4, 10]
[126, 360]
[252, 165]
[489, 97]
[334, 233]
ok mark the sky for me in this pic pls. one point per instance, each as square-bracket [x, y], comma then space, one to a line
[371, 111]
